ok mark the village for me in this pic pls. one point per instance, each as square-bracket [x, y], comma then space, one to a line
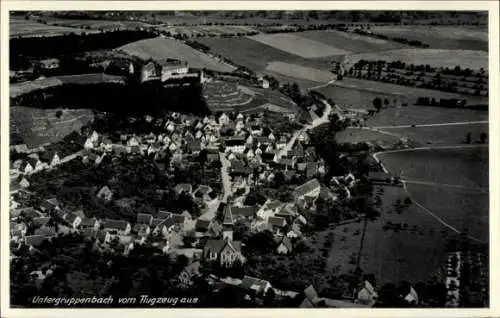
[250, 157]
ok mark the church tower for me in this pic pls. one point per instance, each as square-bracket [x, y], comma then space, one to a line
[228, 223]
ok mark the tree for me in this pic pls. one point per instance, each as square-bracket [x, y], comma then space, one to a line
[377, 103]
[468, 138]
[483, 137]
[59, 113]
[386, 102]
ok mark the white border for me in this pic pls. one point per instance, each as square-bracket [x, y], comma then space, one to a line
[491, 6]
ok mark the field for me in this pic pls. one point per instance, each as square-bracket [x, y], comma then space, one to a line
[96, 24]
[30, 28]
[440, 37]
[351, 42]
[411, 254]
[352, 135]
[256, 55]
[434, 57]
[163, 48]
[300, 72]
[18, 89]
[215, 30]
[408, 93]
[441, 135]
[35, 127]
[467, 167]
[298, 45]
[351, 97]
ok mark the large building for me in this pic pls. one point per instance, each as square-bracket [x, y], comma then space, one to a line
[169, 69]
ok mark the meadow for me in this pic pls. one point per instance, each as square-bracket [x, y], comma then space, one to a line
[351, 97]
[300, 72]
[162, 48]
[441, 135]
[30, 28]
[36, 126]
[434, 57]
[353, 135]
[466, 167]
[440, 37]
[350, 42]
[412, 254]
[301, 46]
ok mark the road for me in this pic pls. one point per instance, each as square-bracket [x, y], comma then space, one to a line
[434, 125]
[316, 122]
[445, 185]
[226, 179]
[426, 210]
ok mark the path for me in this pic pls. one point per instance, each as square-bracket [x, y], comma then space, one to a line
[429, 212]
[445, 185]
[434, 125]
[226, 179]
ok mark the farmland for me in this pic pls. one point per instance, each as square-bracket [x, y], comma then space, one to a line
[18, 89]
[440, 37]
[351, 42]
[351, 97]
[35, 126]
[30, 28]
[433, 57]
[410, 94]
[466, 167]
[392, 255]
[211, 30]
[298, 45]
[102, 25]
[353, 135]
[300, 72]
[256, 55]
[162, 48]
[441, 135]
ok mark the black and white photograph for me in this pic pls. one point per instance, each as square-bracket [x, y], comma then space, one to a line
[247, 159]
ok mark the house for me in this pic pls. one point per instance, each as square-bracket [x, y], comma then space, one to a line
[225, 252]
[133, 141]
[281, 143]
[120, 67]
[160, 243]
[310, 188]
[51, 158]
[34, 241]
[194, 146]
[18, 230]
[74, 220]
[179, 220]
[120, 226]
[366, 294]
[277, 224]
[312, 300]
[48, 64]
[105, 194]
[31, 165]
[270, 208]
[235, 144]
[163, 215]
[202, 225]
[264, 83]
[311, 169]
[189, 273]
[170, 68]
[90, 223]
[244, 211]
[284, 245]
[162, 226]
[40, 221]
[412, 297]
[184, 188]
[223, 119]
[49, 206]
[144, 218]
[124, 244]
[255, 287]
[141, 229]
[46, 231]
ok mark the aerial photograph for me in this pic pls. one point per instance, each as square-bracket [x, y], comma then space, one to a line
[248, 159]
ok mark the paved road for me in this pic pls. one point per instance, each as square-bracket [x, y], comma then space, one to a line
[316, 122]
[434, 125]
[226, 179]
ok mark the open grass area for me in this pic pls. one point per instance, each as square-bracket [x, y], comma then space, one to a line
[295, 44]
[351, 42]
[406, 93]
[29, 28]
[351, 97]
[464, 209]
[440, 37]
[353, 135]
[467, 167]
[35, 126]
[162, 48]
[441, 135]
[18, 89]
[433, 57]
[301, 72]
[410, 254]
